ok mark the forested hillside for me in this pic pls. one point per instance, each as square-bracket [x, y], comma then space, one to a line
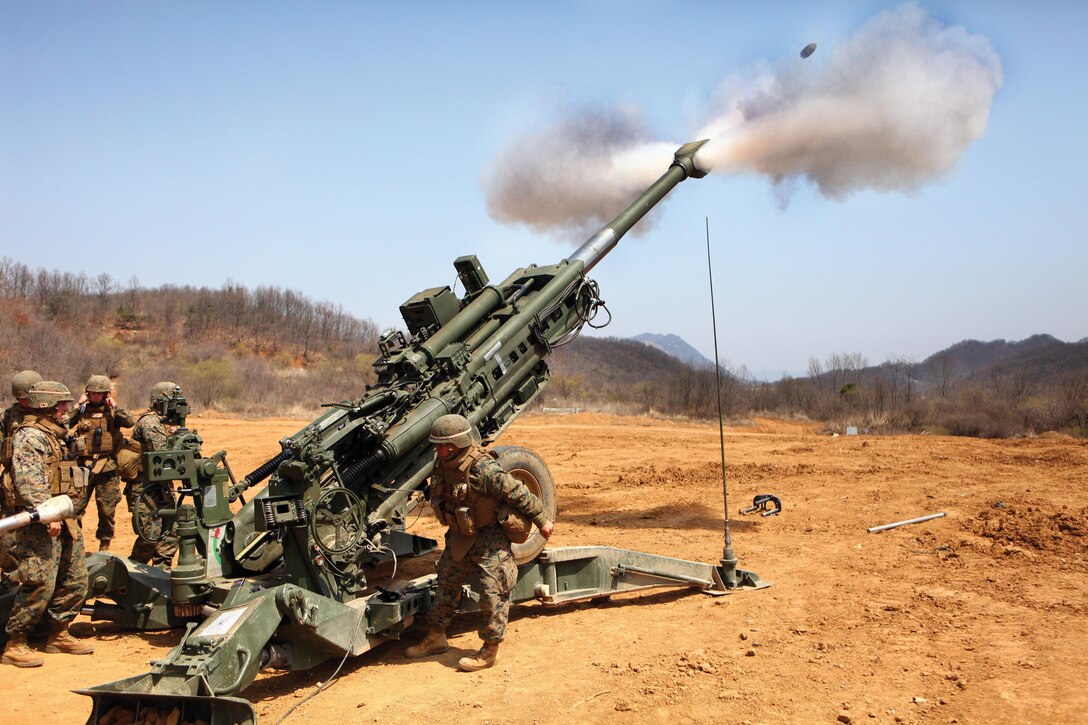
[270, 351]
[259, 352]
[992, 389]
[1039, 360]
[625, 376]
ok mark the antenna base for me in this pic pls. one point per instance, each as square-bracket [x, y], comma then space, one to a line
[734, 578]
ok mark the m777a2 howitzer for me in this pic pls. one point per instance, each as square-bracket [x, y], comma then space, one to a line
[283, 583]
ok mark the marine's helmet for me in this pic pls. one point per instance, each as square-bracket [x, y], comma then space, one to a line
[21, 382]
[454, 430]
[47, 394]
[99, 384]
[162, 392]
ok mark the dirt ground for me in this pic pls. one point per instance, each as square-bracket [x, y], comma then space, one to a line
[978, 617]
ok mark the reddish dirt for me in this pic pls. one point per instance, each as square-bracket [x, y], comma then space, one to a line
[978, 617]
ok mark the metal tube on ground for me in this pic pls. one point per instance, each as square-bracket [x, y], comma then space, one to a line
[918, 520]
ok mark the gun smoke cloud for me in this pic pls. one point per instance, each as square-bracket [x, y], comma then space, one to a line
[891, 109]
[576, 174]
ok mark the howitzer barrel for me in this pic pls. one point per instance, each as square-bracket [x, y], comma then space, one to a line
[57, 508]
[591, 251]
[603, 241]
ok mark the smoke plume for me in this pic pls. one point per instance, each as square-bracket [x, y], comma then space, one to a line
[577, 173]
[894, 107]
[891, 109]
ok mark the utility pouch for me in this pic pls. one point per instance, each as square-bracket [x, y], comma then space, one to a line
[70, 479]
[517, 526]
[8, 448]
[7, 482]
[465, 524]
[129, 461]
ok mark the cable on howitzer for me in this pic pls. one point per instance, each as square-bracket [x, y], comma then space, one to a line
[588, 304]
[324, 685]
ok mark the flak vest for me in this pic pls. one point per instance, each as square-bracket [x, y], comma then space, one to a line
[65, 477]
[97, 438]
[459, 502]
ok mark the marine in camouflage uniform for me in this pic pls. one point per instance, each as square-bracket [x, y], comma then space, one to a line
[95, 426]
[21, 382]
[150, 433]
[468, 487]
[52, 572]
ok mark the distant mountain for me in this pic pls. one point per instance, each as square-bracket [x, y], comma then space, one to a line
[625, 375]
[1040, 356]
[675, 346]
[612, 365]
[968, 356]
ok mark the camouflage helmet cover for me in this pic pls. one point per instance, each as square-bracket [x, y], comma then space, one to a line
[47, 394]
[161, 392]
[453, 430]
[22, 381]
[99, 384]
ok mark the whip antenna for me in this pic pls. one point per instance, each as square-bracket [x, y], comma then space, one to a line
[729, 560]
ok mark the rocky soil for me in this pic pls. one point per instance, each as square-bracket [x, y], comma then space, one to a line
[977, 617]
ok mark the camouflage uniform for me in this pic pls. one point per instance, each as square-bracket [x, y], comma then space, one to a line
[8, 565]
[52, 573]
[483, 560]
[98, 452]
[11, 417]
[150, 433]
[8, 420]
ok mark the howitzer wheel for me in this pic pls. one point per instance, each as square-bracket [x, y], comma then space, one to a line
[146, 520]
[529, 468]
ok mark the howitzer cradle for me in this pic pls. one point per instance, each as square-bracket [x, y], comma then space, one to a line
[282, 582]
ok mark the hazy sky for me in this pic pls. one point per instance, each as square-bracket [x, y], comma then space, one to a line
[347, 149]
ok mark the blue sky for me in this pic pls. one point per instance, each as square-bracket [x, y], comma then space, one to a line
[340, 149]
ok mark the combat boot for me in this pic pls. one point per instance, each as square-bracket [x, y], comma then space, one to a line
[40, 632]
[103, 544]
[434, 643]
[61, 642]
[17, 653]
[481, 660]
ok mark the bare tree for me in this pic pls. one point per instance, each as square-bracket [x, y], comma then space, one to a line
[1073, 401]
[997, 381]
